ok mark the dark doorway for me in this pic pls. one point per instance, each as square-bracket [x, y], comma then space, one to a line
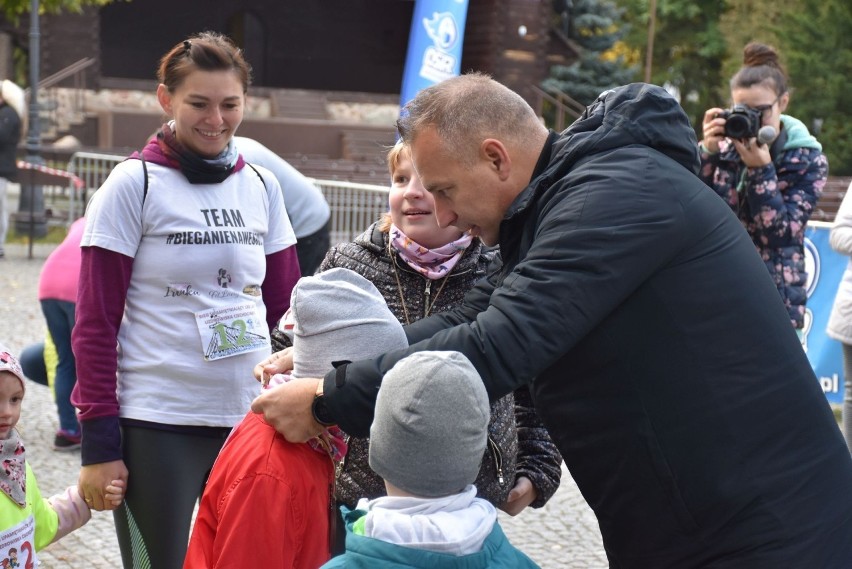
[248, 32]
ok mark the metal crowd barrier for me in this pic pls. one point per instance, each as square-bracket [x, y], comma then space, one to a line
[353, 206]
[93, 168]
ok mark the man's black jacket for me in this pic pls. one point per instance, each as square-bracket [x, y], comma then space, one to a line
[658, 352]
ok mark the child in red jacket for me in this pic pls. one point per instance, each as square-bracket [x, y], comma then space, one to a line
[269, 502]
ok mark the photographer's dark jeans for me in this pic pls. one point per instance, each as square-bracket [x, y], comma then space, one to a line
[59, 315]
[312, 248]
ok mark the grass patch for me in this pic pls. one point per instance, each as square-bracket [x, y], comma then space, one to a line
[55, 234]
[838, 413]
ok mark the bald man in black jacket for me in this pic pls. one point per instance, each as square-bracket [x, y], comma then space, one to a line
[634, 305]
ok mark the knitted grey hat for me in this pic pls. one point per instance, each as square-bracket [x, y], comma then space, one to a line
[339, 315]
[431, 424]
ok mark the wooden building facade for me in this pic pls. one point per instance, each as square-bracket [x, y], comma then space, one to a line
[303, 54]
[332, 45]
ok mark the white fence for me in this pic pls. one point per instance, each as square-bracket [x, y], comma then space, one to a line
[93, 169]
[353, 206]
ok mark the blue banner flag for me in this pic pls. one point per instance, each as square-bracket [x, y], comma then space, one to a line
[825, 269]
[434, 45]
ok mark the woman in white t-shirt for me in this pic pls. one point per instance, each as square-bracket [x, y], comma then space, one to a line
[188, 259]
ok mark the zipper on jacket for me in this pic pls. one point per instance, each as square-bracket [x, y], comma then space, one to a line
[341, 466]
[498, 459]
[427, 295]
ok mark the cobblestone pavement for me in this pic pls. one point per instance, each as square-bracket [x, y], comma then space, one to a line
[563, 534]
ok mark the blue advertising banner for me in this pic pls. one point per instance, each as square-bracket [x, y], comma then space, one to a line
[434, 45]
[825, 268]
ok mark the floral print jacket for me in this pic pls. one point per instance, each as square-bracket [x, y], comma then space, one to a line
[774, 203]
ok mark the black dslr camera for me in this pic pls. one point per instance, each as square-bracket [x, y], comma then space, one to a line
[741, 122]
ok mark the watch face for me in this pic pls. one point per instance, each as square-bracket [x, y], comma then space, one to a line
[320, 411]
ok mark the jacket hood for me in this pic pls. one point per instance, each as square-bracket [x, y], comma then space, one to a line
[632, 114]
[798, 135]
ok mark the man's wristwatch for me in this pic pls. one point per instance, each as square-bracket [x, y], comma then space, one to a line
[319, 408]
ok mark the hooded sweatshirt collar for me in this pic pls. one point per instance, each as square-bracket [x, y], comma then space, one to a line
[635, 114]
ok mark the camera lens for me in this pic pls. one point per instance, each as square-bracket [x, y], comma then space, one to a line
[742, 122]
[737, 126]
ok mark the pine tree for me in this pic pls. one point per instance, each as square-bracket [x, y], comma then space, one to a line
[818, 52]
[688, 50]
[596, 26]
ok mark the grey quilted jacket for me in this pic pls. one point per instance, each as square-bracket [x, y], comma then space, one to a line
[518, 444]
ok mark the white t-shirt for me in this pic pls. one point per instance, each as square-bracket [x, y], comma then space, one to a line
[194, 322]
[306, 206]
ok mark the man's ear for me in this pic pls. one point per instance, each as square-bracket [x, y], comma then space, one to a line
[164, 98]
[497, 156]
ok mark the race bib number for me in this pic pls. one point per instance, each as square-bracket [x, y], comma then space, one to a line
[16, 545]
[231, 331]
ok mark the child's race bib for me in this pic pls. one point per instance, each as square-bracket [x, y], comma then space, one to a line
[16, 545]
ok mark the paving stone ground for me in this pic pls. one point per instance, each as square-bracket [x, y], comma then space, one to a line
[562, 535]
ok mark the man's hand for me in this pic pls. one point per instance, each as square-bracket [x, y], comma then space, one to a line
[279, 362]
[521, 496]
[287, 407]
[94, 480]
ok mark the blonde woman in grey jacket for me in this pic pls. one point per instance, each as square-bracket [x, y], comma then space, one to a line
[840, 321]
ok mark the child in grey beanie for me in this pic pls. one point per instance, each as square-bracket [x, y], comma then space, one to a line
[431, 425]
[339, 315]
[426, 441]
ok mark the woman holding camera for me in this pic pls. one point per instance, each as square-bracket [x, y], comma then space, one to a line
[769, 169]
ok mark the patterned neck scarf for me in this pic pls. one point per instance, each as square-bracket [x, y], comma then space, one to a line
[332, 441]
[431, 263]
[13, 468]
[197, 170]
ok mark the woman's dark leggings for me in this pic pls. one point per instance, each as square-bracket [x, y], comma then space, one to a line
[167, 473]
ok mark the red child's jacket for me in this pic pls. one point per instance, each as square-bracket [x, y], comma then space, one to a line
[266, 504]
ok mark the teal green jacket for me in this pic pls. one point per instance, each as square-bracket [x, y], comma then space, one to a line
[368, 553]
